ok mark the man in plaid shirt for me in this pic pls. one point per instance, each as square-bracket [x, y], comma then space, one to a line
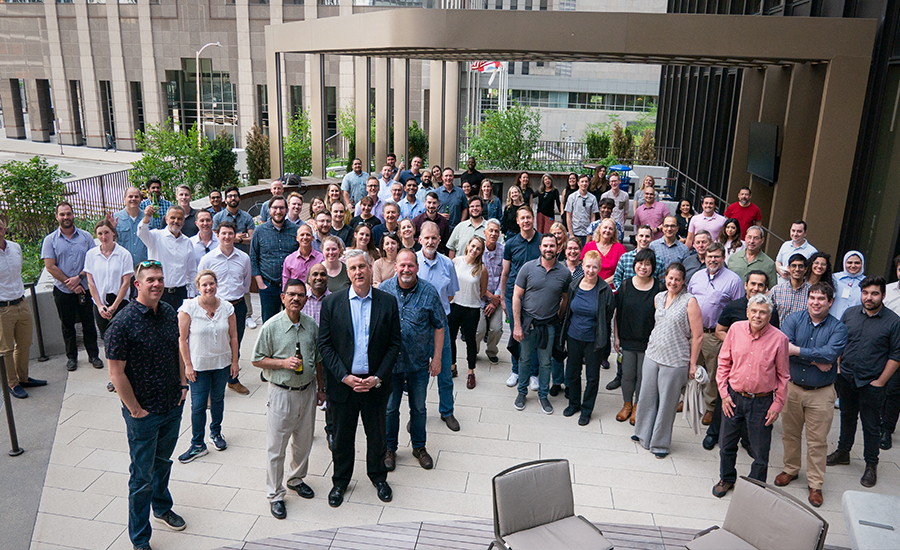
[625, 267]
[492, 320]
[792, 295]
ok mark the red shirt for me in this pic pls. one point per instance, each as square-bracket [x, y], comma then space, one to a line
[747, 216]
[754, 364]
[609, 262]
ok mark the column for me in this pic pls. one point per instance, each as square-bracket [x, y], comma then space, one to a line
[363, 82]
[67, 133]
[748, 111]
[11, 98]
[772, 108]
[121, 93]
[315, 64]
[246, 92]
[276, 130]
[451, 114]
[37, 95]
[94, 132]
[155, 101]
[840, 114]
[382, 110]
[436, 115]
[401, 108]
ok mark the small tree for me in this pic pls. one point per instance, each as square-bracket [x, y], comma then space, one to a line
[506, 140]
[622, 142]
[221, 164]
[30, 191]
[346, 125]
[171, 156]
[298, 145]
[258, 161]
[646, 151]
[597, 144]
[418, 143]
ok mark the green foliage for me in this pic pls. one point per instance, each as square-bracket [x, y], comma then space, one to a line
[622, 142]
[346, 125]
[646, 151]
[32, 264]
[30, 191]
[418, 143]
[506, 140]
[298, 145]
[258, 161]
[645, 120]
[597, 144]
[221, 164]
[171, 156]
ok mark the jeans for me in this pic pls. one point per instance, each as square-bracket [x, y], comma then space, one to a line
[210, 385]
[445, 379]
[465, 318]
[749, 412]
[240, 318]
[528, 349]
[866, 403]
[151, 441]
[581, 351]
[71, 311]
[417, 387]
[512, 327]
[270, 300]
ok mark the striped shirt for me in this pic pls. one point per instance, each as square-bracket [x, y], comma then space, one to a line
[625, 269]
[788, 300]
[670, 340]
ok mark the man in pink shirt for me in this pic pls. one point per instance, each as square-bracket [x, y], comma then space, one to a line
[709, 220]
[651, 213]
[752, 380]
[745, 212]
[297, 264]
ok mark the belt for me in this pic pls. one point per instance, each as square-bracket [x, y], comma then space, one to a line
[709, 330]
[174, 289]
[754, 395]
[282, 386]
[809, 388]
[11, 302]
[236, 302]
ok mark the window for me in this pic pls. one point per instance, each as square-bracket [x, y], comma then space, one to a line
[262, 106]
[296, 93]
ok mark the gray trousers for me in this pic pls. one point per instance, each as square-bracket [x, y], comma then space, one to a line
[632, 374]
[494, 328]
[290, 417]
[660, 387]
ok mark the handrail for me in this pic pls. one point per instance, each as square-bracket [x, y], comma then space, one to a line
[708, 191]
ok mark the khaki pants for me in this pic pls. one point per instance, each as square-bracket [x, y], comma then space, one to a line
[291, 415]
[709, 358]
[815, 409]
[494, 328]
[15, 340]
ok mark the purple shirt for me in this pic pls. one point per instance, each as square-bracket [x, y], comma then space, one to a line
[296, 266]
[712, 224]
[714, 293]
[652, 216]
[313, 306]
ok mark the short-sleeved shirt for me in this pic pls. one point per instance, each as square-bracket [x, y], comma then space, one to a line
[297, 267]
[232, 272]
[620, 209]
[69, 254]
[713, 293]
[278, 339]
[667, 255]
[242, 220]
[583, 322]
[787, 300]
[475, 178]
[463, 233]
[452, 202]
[189, 227]
[147, 342]
[713, 224]
[406, 174]
[209, 341]
[355, 185]
[788, 249]
[421, 313]
[518, 251]
[313, 306]
[747, 216]
[108, 272]
[738, 263]
[636, 314]
[547, 201]
[652, 216]
[543, 288]
[872, 340]
[493, 262]
[409, 210]
[126, 236]
[582, 209]
[441, 273]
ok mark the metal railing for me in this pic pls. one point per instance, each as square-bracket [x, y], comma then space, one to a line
[93, 197]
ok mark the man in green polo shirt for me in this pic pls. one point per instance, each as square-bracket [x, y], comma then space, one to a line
[753, 257]
[293, 385]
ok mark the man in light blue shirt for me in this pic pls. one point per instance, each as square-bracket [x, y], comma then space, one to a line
[361, 315]
[354, 184]
[453, 203]
[126, 221]
[411, 206]
[438, 270]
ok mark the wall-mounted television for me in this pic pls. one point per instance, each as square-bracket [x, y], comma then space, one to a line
[762, 153]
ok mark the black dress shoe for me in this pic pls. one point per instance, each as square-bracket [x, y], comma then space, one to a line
[885, 442]
[33, 383]
[451, 422]
[277, 509]
[709, 442]
[554, 389]
[96, 362]
[71, 365]
[870, 476]
[837, 457]
[571, 410]
[384, 491]
[336, 496]
[614, 384]
[304, 490]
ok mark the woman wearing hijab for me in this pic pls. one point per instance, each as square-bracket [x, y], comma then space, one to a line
[846, 283]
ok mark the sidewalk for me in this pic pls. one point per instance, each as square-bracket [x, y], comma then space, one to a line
[52, 149]
[222, 495]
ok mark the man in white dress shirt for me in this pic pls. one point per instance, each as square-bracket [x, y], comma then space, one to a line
[175, 251]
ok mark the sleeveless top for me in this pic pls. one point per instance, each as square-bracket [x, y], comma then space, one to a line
[670, 341]
[469, 294]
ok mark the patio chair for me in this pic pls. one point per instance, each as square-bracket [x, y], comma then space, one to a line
[534, 509]
[764, 517]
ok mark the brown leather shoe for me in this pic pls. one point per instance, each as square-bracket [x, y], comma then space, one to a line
[631, 420]
[623, 415]
[783, 479]
[707, 418]
[815, 497]
[390, 461]
[240, 388]
[425, 459]
[470, 382]
[681, 406]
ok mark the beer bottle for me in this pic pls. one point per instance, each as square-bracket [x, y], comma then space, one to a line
[299, 369]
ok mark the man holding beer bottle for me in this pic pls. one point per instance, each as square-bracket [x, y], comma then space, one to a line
[287, 348]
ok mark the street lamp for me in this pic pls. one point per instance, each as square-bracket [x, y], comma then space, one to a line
[199, 104]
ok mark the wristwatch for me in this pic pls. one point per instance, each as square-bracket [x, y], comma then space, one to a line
[377, 382]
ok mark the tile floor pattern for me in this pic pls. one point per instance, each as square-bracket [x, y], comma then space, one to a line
[222, 495]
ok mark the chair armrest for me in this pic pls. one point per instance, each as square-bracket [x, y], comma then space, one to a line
[705, 532]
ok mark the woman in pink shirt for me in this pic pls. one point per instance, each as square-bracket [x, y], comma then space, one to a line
[606, 242]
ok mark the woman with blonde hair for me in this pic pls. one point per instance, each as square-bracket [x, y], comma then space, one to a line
[362, 240]
[514, 199]
[465, 307]
[558, 230]
[407, 233]
[639, 192]
[606, 242]
[547, 204]
[333, 251]
[209, 348]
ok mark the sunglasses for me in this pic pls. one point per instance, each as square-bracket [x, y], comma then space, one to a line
[147, 264]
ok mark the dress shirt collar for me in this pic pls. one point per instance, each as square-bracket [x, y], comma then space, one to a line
[762, 332]
[355, 296]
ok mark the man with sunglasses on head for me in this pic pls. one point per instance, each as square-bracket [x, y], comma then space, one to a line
[146, 368]
[581, 210]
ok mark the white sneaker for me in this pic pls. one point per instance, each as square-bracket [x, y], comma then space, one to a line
[251, 324]
[534, 384]
[513, 380]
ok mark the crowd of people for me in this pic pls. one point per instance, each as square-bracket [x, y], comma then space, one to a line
[362, 303]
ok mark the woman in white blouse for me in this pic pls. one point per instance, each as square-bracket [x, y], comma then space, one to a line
[109, 269]
[465, 309]
[209, 348]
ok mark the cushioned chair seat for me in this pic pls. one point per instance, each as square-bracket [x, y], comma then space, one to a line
[719, 539]
[573, 532]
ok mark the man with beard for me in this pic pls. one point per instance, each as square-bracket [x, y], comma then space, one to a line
[431, 215]
[467, 229]
[316, 291]
[277, 189]
[126, 222]
[272, 242]
[745, 212]
[154, 190]
[242, 221]
[752, 257]
[174, 250]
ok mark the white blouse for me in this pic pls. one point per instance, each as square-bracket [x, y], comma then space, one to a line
[469, 294]
[108, 272]
[208, 340]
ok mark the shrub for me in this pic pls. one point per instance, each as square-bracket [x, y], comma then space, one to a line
[597, 144]
[418, 143]
[646, 151]
[171, 156]
[258, 161]
[298, 145]
[30, 191]
[221, 164]
[506, 140]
